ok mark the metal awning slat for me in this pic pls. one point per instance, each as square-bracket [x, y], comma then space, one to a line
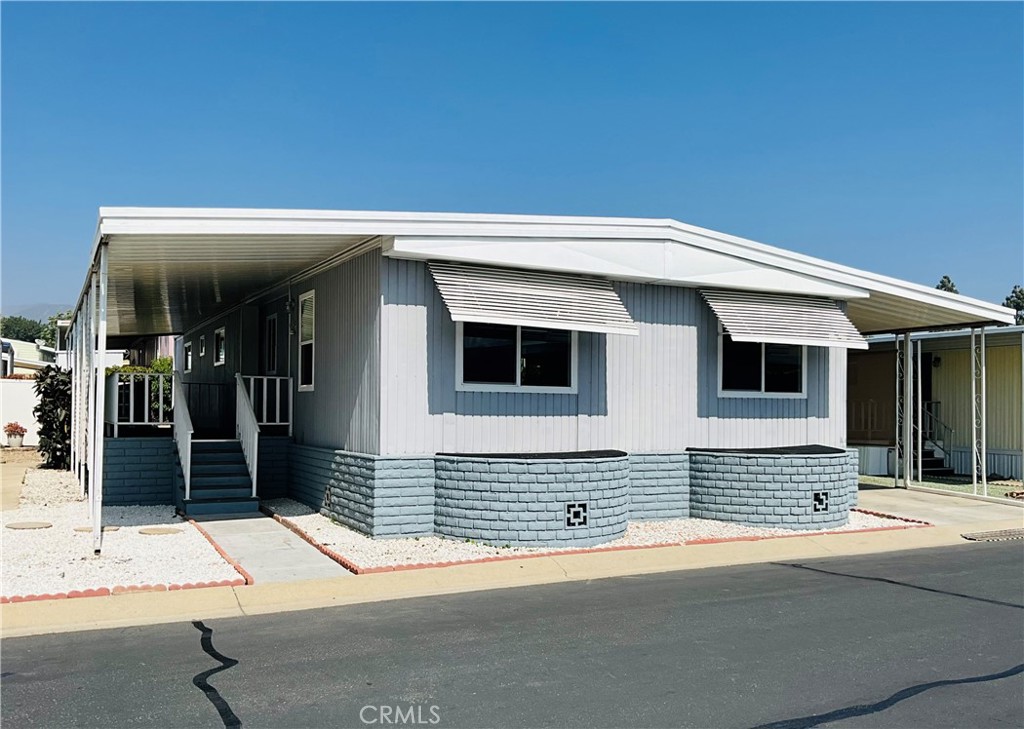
[544, 299]
[750, 316]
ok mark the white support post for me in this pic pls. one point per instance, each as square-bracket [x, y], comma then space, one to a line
[897, 412]
[908, 410]
[1022, 407]
[984, 419]
[920, 421]
[94, 399]
[72, 353]
[974, 413]
[96, 472]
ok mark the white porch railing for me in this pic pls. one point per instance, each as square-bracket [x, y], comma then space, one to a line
[271, 398]
[183, 432]
[247, 429]
[138, 398]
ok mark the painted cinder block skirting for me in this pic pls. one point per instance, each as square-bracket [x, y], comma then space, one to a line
[139, 471]
[532, 501]
[375, 495]
[659, 486]
[790, 490]
[526, 499]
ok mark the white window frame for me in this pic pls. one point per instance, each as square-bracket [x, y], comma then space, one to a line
[311, 294]
[761, 394]
[219, 358]
[277, 355]
[461, 386]
[202, 345]
[186, 353]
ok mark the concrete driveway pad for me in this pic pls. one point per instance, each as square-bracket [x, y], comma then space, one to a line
[938, 509]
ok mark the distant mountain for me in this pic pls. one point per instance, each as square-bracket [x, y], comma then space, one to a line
[41, 312]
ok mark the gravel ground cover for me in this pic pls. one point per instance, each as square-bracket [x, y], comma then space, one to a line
[369, 553]
[59, 559]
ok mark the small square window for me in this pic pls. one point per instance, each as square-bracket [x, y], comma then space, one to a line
[219, 353]
[187, 356]
[202, 345]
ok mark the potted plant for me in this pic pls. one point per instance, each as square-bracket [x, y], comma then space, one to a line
[15, 432]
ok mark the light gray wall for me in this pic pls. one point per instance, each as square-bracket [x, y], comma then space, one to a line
[343, 409]
[649, 393]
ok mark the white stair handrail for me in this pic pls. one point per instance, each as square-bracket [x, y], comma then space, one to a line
[182, 431]
[247, 428]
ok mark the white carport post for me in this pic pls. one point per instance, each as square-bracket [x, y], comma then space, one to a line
[897, 411]
[72, 355]
[908, 410]
[979, 436]
[1022, 407]
[96, 471]
[920, 420]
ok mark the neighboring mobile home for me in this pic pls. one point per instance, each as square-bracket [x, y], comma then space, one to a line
[513, 379]
[950, 416]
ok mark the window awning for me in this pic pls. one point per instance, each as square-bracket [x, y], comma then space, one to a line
[750, 316]
[531, 298]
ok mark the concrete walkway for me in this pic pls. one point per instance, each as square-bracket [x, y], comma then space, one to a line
[270, 552]
[938, 509]
[12, 475]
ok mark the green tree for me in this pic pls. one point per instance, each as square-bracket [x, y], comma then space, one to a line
[1016, 301]
[946, 284]
[49, 333]
[20, 328]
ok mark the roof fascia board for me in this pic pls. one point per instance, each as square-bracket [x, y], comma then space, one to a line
[644, 261]
[178, 221]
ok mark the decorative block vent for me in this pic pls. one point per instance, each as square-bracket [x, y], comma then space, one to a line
[576, 514]
[820, 501]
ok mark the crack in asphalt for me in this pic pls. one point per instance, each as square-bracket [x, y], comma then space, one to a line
[897, 583]
[201, 680]
[849, 712]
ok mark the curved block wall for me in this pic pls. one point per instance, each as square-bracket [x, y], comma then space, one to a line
[530, 501]
[808, 490]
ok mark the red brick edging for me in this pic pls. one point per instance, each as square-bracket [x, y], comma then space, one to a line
[890, 516]
[246, 579]
[356, 569]
[911, 524]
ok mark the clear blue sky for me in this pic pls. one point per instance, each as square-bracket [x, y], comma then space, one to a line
[884, 136]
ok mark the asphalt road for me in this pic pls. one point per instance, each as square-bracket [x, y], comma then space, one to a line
[930, 638]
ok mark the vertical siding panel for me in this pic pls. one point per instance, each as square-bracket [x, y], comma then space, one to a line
[343, 409]
[655, 391]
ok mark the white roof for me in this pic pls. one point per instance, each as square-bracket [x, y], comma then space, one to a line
[170, 268]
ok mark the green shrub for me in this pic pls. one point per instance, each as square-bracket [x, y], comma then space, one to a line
[160, 366]
[53, 386]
